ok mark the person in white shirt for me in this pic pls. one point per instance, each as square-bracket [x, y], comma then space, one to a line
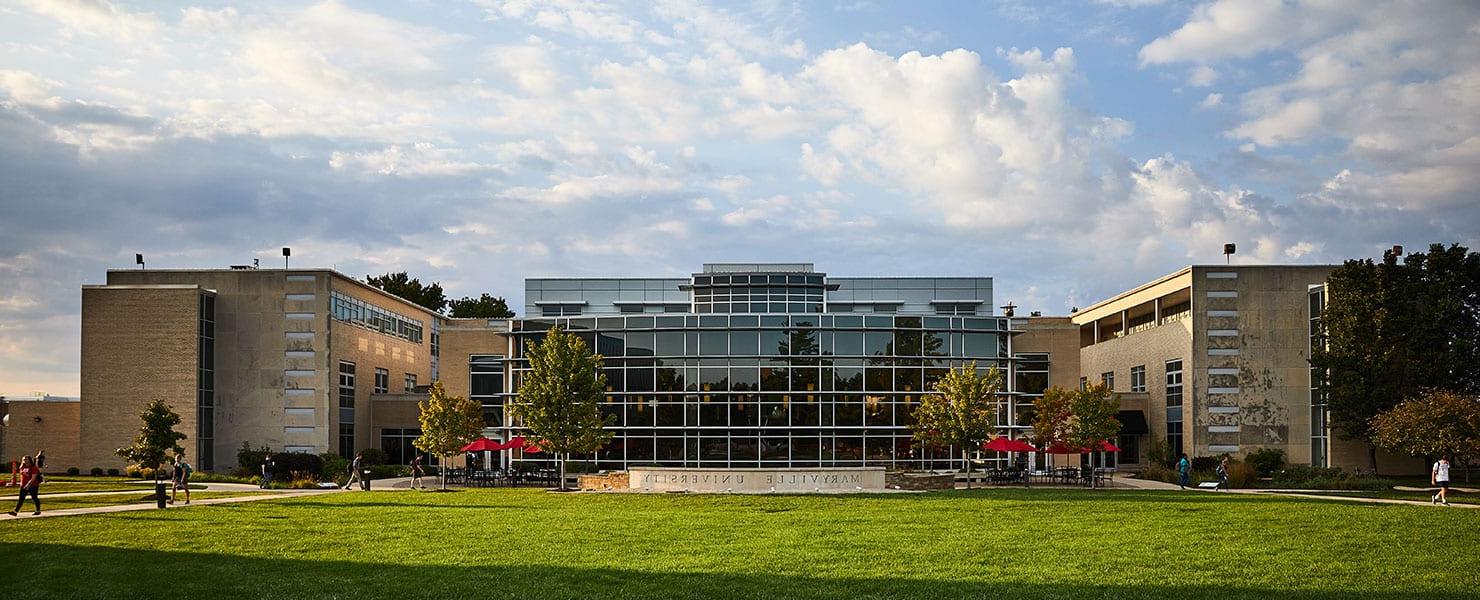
[1440, 477]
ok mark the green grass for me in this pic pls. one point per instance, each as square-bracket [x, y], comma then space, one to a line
[51, 486]
[1455, 497]
[526, 544]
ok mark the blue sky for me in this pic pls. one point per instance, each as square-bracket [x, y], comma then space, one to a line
[1067, 149]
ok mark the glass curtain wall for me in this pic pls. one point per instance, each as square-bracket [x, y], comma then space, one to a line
[797, 390]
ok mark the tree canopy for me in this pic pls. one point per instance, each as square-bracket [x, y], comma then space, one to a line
[1437, 423]
[962, 412]
[1395, 329]
[559, 400]
[482, 307]
[157, 437]
[429, 296]
[447, 423]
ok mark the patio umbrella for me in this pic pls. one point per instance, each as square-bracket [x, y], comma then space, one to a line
[1062, 449]
[518, 442]
[1005, 444]
[481, 444]
[1109, 447]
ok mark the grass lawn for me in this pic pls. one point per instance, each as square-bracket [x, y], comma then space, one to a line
[1454, 496]
[525, 544]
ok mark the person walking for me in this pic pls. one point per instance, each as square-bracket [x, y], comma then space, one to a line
[30, 484]
[181, 478]
[1440, 476]
[267, 466]
[416, 472]
[354, 470]
[1184, 470]
[1223, 473]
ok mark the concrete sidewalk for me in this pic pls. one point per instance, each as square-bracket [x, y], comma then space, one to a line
[96, 510]
[1147, 484]
[208, 487]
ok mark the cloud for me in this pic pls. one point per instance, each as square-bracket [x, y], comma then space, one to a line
[1212, 100]
[96, 17]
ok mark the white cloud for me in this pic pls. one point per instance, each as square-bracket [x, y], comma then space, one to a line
[96, 17]
[1213, 100]
[421, 159]
[1202, 76]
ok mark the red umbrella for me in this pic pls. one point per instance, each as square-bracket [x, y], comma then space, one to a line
[518, 442]
[482, 444]
[1062, 449]
[1005, 444]
[1109, 447]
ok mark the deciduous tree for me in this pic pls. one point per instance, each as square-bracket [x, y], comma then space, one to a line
[157, 437]
[482, 307]
[1436, 423]
[962, 412]
[447, 424]
[429, 296]
[559, 400]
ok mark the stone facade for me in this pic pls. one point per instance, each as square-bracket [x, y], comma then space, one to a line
[899, 480]
[43, 424]
[616, 480]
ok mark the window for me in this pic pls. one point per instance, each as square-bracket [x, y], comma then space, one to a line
[1174, 405]
[346, 384]
[1107, 379]
[410, 382]
[357, 312]
[436, 344]
[382, 381]
[1083, 383]
[1130, 449]
[397, 445]
[1138, 378]
[205, 385]
[347, 440]
[558, 310]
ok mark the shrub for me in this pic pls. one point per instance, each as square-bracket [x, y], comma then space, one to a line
[1159, 452]
[96, 471]
[74, 471]
[113, 472]
[334, 464]
[1242, 474]
[1158, 472]
[207, 477]
[287, 463]
[1205, 463]
[1267, 461]
[372, 457]
[1326, 478]
[249, 461]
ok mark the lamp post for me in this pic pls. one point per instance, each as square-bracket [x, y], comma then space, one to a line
[286, 253]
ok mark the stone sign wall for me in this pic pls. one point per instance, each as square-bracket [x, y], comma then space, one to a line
[665, 479]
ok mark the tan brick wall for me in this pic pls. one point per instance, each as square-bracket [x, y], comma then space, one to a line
[57, 432]
[1059, 337]
[1151, 348]
[464, 338]
[137, 344]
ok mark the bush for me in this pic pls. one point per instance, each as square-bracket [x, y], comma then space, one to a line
[1205, 463]
[1267, 461]
[74, 471]
[1159, 452]
[249, 461]
[1242, 474]
[207, 477]
[287, 463]
[112, 472]
[96, 471]
[334, 464]
[1326, 478]
[1158, 472]
[372, 456]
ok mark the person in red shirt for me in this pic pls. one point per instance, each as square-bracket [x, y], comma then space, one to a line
[30, 484]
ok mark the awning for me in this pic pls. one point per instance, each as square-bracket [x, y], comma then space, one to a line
[1132, 422]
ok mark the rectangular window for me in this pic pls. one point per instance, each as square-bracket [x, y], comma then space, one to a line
[382, 381]
[1083, 383]
[347, 440]
[410, 381]
[1174, 405]
[1107, 379]
[346, 384]
[359, 313]
[1138, 378]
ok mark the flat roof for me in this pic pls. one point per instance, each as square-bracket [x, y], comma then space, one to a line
[285, 272]
[1184, 271]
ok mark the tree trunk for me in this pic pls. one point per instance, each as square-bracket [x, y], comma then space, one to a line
[1372, 455]
[442, 470]
[965, 457]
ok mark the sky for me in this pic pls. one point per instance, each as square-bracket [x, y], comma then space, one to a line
[1069, 150]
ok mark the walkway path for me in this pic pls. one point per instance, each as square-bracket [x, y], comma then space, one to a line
[208, 487]
[93, 510]
[1147, 484]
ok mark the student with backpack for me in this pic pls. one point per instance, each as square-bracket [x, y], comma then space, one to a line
[354, 470]
[181, 478]
[1184, 470]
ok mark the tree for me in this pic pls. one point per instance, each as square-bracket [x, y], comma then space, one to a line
[482, 307]
[157, 437]
[1391, 330]
[962, 412]
[1052, 413]
[1437, 423]
[559, 401]
[428, 296]
[1092, 418]
[447, 424]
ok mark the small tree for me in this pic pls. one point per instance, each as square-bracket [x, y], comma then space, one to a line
[157, 437]
[1436, 423]
[1051, 415]
[447, 424]
[559, 401]
[1092, 418]
[962, 412]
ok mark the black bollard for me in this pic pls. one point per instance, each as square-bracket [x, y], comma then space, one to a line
[365, 480]
[159, 494]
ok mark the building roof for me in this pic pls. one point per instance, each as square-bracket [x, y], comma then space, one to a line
[1084, 313]
[311, 270]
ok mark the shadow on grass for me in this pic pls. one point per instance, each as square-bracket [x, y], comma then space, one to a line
[56, 571]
